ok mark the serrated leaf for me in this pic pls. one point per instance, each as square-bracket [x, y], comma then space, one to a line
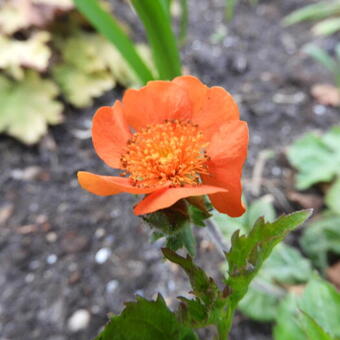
[316, 158]
[17, 15]
[146, 320]
[32, 53]
[248, 252]
[321, 237]
[209, 301]
[28, 106]
[79, 87]
[91, 66]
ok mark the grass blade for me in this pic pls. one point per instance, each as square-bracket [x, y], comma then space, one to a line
[327, 26]
[108, 26]
[230, 9]
[161, 37]
[316, 11]
[321, 56]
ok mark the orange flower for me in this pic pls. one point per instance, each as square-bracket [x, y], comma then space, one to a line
[172, 140]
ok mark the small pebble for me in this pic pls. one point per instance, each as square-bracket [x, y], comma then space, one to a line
[112, 286]
[102, 255]
[319, 110]
[51, 237]
[79, 320]
[51, 259]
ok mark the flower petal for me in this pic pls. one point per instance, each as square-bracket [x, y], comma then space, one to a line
[110, 134]
[154, 103]
[227, 151]
[109, 185]
[166, 197]
[212, 107]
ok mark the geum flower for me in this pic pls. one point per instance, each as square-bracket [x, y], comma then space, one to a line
[172, 140]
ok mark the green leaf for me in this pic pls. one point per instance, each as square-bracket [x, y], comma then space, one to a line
[209, 301]
[322, 302]
[160, 36]
[316, 158]
[287, 327]
[259, 305]
[108, 26]
[146, 320]
[315, 313]
[312, 328]
[80, 88]
[248, 252]
[321, 237]
[90, 66]
[332, 198]
[285, 266]
[28, 106]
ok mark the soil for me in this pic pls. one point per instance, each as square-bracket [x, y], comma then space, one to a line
[63, 249]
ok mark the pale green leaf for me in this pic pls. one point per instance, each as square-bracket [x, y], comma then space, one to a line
[321, 302]
[32, 53]
[28, 106]
[285, 266]
[317, 158]
[79, 87]
[332, 198]
[17, 15]
[321, 237]
[312, 329]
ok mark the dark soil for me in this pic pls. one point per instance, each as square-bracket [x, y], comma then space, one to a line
[52, 230]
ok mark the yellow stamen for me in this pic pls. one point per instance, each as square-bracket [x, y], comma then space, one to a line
[171, 152]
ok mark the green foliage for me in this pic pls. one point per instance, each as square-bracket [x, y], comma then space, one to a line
[209, 301]
[322, 237]
[162, 40]
[260, 207]
[330, 63]
[146, 320]
[317, 158]
[323, 10]
[109, 27]
[284, 267]
[314, 315]
[332, 198]
[245, 258]
[28, 106]
[248, 252]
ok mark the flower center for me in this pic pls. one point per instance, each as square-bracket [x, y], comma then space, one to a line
[171, 152]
